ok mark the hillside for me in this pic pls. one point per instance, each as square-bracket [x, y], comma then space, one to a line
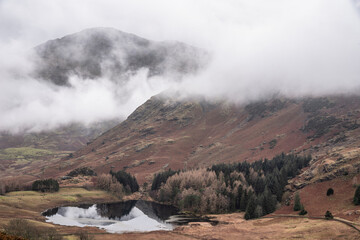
[70, 137]
[165, 133]
[182, 134]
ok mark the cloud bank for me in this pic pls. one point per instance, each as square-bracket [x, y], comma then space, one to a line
[258, 47]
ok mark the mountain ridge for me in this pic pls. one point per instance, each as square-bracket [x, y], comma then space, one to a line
[165, 133]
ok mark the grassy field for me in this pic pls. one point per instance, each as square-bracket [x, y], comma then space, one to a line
[29, 205]
[23, 153]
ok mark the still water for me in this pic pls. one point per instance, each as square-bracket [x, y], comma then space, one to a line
[130, 216]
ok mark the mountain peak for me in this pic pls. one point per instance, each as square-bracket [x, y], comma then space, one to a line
[108, 52]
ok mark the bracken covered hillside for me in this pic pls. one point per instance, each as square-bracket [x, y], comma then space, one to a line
[165, 133]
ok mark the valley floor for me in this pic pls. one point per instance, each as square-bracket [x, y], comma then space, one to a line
[29, 205]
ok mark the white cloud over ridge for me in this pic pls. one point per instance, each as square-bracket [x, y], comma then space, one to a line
[259, 47]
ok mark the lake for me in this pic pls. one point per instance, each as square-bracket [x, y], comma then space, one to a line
[130, 216]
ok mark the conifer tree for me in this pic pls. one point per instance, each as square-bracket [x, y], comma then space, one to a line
[269, 202]
[238, 198]
[250, 208]
[243, 201]
[297, 204]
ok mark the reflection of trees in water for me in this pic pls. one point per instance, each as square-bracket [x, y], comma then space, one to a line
[153, 210]
[115, 210]
[50, 212]
[84, 206]
[156, 211]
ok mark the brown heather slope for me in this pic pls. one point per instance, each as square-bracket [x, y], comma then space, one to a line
[165, 133]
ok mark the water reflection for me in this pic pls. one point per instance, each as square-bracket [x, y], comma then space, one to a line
[115, 217]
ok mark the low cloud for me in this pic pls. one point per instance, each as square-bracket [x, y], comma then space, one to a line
[31, 105]
[258, 48]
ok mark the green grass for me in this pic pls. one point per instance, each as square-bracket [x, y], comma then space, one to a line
[23, 153]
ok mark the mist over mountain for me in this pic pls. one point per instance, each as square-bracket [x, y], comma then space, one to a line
[96, 75]
[109, 53]
[258, 49]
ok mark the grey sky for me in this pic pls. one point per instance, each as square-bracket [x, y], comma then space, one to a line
[259, 47]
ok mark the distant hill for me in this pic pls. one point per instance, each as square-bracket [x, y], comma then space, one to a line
[70, 137]
[110, 53]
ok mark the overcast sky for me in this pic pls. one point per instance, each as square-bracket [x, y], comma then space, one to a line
[259, 47]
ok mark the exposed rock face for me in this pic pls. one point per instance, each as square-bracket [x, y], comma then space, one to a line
[107, 52]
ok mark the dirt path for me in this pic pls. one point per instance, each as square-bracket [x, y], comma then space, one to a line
[348, 223]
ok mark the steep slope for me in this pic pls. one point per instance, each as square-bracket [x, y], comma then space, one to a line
[110, 53]
[165, 133]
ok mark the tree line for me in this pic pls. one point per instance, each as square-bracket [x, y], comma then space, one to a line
[255, 188]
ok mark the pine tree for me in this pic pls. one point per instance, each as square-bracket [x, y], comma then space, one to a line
[297, 204]
[244, 201]
[250, 208]
[259, 211]
[238, 197]
[269, 202]
[356, 199]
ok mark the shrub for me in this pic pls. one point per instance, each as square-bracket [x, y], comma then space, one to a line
[83, 235]
[5, 236]
[356, 199]
[302, 211]
[85, 171]
[47, 185]
[328, 215]
[27, 230]
[272, 143]
[329, 192]
[297, 204]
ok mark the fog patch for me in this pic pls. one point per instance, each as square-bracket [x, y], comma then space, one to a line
[32, 105]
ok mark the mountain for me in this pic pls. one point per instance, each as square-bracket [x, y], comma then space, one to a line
[168, 132]
[181, 134]
[98, 53]
[110, 53]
